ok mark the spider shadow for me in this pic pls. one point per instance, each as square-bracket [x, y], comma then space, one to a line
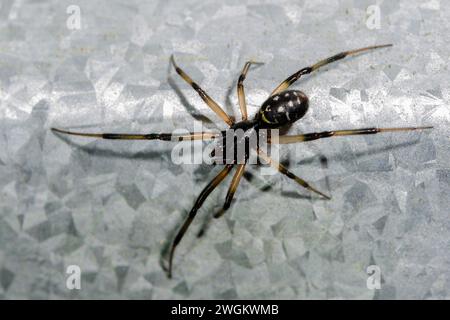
[93, 150]
[333, 66]
[261, 185]
[186, 104]
[342, 157]
[166, 246]
[258, 183]
[207, 217]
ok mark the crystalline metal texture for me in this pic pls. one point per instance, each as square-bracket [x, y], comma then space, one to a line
[110, 207]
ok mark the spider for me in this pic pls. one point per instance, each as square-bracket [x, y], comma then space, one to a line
[282, 108]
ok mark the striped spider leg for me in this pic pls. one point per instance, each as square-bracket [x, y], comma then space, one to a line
[294, 77]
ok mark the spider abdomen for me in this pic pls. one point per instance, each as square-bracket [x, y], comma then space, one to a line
[281, 109]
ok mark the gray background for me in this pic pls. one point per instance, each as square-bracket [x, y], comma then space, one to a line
[111, 207]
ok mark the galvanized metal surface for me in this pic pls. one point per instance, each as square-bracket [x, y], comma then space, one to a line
[111, 207]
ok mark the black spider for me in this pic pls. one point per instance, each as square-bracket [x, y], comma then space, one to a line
[283, 107]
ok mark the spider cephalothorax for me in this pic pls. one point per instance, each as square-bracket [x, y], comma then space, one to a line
[282, 107]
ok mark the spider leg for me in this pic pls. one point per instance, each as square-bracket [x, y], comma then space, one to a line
[230, 194]
[294, 77]
[327, 134]
[198, 203]
[232, 190]
[282, 169]
[240, 88]
[208, 100]
[150, 136]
